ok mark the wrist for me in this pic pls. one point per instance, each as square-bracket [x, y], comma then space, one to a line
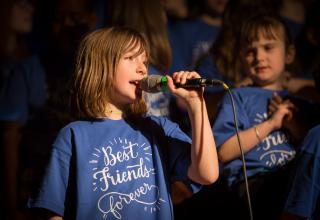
[196, 107]
[194, 103]
[257, 133]
[272, 124]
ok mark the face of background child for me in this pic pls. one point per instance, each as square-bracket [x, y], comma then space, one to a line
[72, 19]
[265, 59]
[131, 69]
[21, 17]
[217, 6]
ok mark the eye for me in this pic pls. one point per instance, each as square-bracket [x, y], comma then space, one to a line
[268, 47]
[249, 52]
[129, 57]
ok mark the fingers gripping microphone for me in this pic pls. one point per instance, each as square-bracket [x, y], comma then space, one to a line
[158, 83]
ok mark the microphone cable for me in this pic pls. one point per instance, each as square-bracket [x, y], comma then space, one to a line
[156, 83]
[244, 169]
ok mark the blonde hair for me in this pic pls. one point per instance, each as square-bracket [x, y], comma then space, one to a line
[96, 65]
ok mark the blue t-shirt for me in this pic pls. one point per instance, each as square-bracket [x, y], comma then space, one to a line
[23, 88]
[114, 169]
[303, 197]
[251, 108]
[189, 40]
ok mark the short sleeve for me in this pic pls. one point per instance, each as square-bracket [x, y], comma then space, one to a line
[224, 125]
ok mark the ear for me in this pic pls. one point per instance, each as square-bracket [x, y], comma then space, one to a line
[291, 53]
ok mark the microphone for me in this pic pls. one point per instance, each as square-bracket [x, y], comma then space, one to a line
[158, 83]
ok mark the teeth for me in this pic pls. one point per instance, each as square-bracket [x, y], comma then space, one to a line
[136, 82]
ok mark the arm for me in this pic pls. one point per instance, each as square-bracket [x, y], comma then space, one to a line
[204, 167]
[288, 216]
[11, 136]
[250, 137]
[53, 216]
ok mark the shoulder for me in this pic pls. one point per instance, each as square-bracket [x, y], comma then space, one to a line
[32, 64]
[159, 120]
[74, 126]
[314, 134]
[249, 91]
[71, 131]
[311, 142]
[30, 69]
[248, 95]
[162, 122]
[242, 92]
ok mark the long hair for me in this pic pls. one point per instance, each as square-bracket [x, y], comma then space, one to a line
[147, 17]
[96, 65]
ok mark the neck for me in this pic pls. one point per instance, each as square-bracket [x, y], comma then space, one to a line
[272, 85]
[211, 21]
[113, 112]
[11, 44]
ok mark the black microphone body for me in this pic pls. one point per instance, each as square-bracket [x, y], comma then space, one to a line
[158, 83]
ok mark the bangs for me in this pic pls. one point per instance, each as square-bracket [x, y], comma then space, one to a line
[265, 30]
[136, 41]
[268, 26]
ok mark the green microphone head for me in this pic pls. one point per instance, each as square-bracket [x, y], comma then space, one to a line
[164, 83]
[154, 83]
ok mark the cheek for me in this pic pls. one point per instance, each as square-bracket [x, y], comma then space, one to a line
[279, 59]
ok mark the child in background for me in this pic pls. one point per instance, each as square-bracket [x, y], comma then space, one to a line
[192, 37]
[222, 60]
[22, 93]
[266, 51]
[114, 162]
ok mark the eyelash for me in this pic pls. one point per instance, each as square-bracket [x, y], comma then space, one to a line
[129, 57]
[268, 47]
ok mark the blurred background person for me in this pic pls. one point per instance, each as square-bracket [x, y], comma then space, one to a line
[42, 87]
[16, 56]
[193, 36]
[22, 93]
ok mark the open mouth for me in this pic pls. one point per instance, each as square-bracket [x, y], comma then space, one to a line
[136, 83]
[261, 69]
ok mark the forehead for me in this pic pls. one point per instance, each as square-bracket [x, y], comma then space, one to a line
[267, 34]
[135, 47]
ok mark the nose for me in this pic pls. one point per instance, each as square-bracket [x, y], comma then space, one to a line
[142, 68]
[260, 55]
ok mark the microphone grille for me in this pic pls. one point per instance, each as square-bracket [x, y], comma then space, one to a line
[151, 84]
